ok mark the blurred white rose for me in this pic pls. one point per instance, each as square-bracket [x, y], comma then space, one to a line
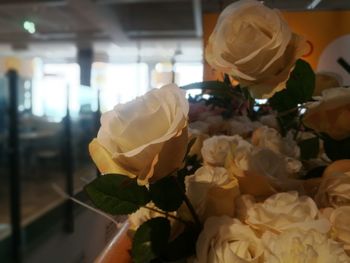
[197, 127]
[334, 190]
[263, 65]
[270, 121]
[242, 125]
[270, 138]
[297, 246]
[146, 137]
[265, 162]
[216, 149]
[212, 191]
[331, 114]
[227, 240]
[284, 211]
[286, 147]
[340, 220]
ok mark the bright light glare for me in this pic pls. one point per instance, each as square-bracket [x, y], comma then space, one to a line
[29, 26]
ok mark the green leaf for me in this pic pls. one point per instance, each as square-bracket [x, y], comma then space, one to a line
[166, 194]
[337, 150]
[150, 239]
[299, 88]
[309, 148]
[181, 247]
[117, 194]
[206, 85]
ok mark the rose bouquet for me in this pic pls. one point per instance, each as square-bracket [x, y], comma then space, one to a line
[225, 179]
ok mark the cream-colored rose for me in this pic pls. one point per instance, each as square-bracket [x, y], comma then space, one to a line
[297, 246]
[331, 114]
[227, 240]
[146, 137]
[262, 65]
[334, 190]
[284, 211]
[340, 219]
[212, 191]
[216, 149]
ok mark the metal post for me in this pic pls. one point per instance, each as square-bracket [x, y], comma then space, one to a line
[14, 160]
[69, 168]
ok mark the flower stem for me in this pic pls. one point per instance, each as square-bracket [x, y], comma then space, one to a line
[166, 214]
[188, 204]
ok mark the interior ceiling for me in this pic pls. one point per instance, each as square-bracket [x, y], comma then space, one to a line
[122, 22]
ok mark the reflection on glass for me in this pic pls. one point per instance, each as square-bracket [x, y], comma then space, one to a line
[122, 83]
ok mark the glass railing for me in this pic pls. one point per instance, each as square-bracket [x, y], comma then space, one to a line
[44, 152]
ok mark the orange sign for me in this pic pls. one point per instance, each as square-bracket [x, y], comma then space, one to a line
[327, 33]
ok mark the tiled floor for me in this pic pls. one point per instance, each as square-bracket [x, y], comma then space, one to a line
[37, 193]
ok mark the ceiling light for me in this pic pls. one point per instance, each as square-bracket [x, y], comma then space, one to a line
[29, 26]
[313, 4]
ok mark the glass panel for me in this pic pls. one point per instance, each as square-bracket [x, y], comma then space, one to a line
[41, 149]
[84, 126]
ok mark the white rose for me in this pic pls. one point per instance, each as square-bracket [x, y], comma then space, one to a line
[263, 65]
[225, 239]
[270, 138]
[284, 211]
[212, 191]
[276, 168]
[286, 147]
[261, 171]
[146, 137]
[334, 190]
[265, 162]
[242, 125]
[340, 218]
[296, 246]
[216, 149]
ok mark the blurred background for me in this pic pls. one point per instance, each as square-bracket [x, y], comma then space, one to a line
[62, 63]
